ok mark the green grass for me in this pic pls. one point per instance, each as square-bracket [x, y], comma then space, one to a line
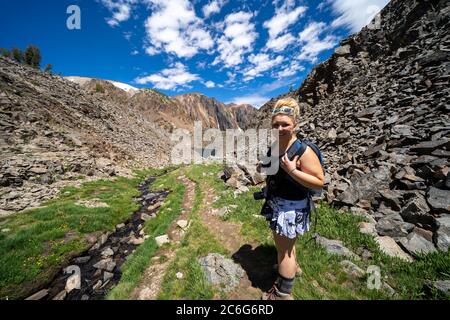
[41, 240]
[198, 242]
[133, 269]
[323, 276]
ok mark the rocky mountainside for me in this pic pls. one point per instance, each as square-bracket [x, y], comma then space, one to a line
[53, 131]
[172, 112]
[379, 110]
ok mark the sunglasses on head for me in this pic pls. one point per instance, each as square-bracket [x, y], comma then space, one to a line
[286, 110]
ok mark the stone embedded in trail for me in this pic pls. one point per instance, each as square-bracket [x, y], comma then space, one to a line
[179, 275]
[439, 200]
[391, 248]
[161, 240]
[221, 271]
[183, 224]
[335, 247]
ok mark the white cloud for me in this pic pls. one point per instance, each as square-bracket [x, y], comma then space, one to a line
[212, 7]
[285, 16]
[238, 38]
[260, 63]
[355, 14]
[312, 44]
[283, 19]
[134, 52]
[174, 28]
[280, 43]
[255, 100]
[121, 10]
[210, 84]
[290, 70]
[171, 78]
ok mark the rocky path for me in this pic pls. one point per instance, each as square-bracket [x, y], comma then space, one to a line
[258, 276]
[151, 283]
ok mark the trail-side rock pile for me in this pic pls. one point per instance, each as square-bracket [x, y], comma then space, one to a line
[379, 111]
[51, 131]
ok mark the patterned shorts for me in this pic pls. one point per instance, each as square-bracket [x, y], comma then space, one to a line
[288, 218]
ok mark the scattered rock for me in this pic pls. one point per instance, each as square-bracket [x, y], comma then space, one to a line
[161, 240]
[108, 252]
[415, 244]
[335, 247]
[183, 224]
[391, 248]
[38, 295]
[221, 271]
[81, 260]
[439, 200]
[352, 269]
[441, 286]
[179, 275]
[60, 296]
[107, 276]
[105, 264]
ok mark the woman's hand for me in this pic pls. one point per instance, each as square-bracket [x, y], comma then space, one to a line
[287, 164]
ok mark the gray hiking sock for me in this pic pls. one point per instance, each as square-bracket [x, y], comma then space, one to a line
[285, 285]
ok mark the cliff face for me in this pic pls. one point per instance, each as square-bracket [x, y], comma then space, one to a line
[379, 110]
[214, 114]
[173, 112]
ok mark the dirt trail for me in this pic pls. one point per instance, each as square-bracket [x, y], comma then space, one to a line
[258, 268]
[151, 283]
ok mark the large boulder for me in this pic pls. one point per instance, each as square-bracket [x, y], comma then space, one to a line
[366, 187]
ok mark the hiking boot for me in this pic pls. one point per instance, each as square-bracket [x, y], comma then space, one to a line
[298, 271]
[275, 294]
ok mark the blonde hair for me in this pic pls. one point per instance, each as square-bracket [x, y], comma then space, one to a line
[287, 102]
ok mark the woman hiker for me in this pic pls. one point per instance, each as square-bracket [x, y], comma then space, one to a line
[288, 207]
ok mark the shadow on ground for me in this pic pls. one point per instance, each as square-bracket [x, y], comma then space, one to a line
[258, 264]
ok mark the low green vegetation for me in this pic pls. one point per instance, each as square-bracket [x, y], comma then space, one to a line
[323, 276]
[35, 243]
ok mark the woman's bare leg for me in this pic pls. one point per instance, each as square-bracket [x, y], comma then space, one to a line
[287, 263]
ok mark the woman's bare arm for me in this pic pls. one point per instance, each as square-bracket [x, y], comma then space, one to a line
[310, 173]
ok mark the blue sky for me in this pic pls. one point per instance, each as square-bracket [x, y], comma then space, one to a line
[235, 51]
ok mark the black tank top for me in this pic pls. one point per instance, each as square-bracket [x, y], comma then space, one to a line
[282, 184]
